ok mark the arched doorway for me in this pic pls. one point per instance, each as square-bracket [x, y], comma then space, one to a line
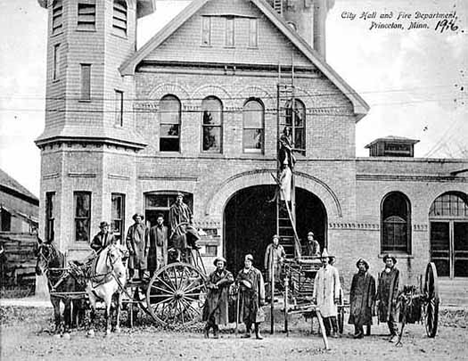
[250, 222]
[448, 218]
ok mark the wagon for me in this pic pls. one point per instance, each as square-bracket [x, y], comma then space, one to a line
[175, 295]
[297, 282]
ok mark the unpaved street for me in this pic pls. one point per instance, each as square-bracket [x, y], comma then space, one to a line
[25, 336]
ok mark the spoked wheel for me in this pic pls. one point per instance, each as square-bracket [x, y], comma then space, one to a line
[341, 312]
[176, 294]
[431, 308]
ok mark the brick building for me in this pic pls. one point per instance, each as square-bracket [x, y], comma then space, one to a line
[197, 109]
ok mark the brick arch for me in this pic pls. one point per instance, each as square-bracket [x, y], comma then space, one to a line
[269, 100]
[211, 90]
[170, 88]
[221, 195]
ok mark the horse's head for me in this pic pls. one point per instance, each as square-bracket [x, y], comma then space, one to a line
[114, 260]
[46, 256]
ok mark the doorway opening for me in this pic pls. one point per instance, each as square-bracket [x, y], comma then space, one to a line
[250, 223]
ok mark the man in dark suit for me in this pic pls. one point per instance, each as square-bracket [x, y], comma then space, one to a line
[157, 254]
[103, 238]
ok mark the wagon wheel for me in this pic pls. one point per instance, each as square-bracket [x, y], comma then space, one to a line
[431, 307]
[176, 294]
[341, 312]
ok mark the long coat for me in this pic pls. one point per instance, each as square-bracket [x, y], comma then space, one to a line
[137, 244]
[157, 253]
[387, 294]
[326, 289]
[362, 299]
[250, 298]
[102, 240]
[274, 256]
[216, 304]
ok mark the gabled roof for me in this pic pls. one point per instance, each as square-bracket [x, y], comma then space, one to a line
[360, 106]
[6, 181]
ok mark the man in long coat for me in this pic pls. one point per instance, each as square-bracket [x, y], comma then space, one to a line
[252, 297]
[274, 257]
[326, 294]
[103, 239]
[387, 294]
[215, 311]
[138, 246]
[362, 298]
[157, 253]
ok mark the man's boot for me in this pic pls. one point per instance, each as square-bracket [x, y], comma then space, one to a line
[334, 333]
[215, 331]
[257, 332]
[206, 331]
[247, 331]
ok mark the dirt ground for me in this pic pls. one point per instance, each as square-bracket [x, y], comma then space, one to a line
[25, 335]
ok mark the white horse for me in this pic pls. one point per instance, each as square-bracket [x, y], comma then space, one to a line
[107, 284]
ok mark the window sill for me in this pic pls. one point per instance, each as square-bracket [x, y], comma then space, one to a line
[55, 81]
[229, 47]
[206, 45]
[120, 36]
[84, 101]
[211, 155]
[86, 30]
[56, 34]
[252, 48]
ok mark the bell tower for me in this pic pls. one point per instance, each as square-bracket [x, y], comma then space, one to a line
[90, 142]
[308, 18]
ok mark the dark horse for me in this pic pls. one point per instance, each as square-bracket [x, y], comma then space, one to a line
[61, 283]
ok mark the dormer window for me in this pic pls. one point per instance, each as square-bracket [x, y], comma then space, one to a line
[206, 30]
[86, 16]
[119, 18]
[229, 36]
[57, 17]
[253, 33]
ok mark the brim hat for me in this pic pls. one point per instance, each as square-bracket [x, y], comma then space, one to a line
[387, 256]
[362, 260]
[249, 257]
[276, 236]
[217, 259]
[310, 233]
[103, 224]
[138, 215]
[180, 194]
[159, 215]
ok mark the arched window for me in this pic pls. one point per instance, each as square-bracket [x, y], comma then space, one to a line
[396, 224]
[119, 18]
[169, 136]
[295, 119]
[448, 218]
[212, 111]
[253, 116]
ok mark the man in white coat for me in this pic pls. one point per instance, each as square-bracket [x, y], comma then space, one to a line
[326, 294]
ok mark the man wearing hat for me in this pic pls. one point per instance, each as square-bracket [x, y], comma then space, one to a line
[103, 239]
[326, 294]
[215, 310]
[138, 246]
[387, 294]
[274, 257]
[313, 247]
[157, 253]
[181, 219]
[252, 297]
[362, 299]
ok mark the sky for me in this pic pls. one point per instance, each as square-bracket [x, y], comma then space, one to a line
[414, 80]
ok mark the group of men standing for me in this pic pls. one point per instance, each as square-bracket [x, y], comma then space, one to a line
[148, 247]
[148, 251]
